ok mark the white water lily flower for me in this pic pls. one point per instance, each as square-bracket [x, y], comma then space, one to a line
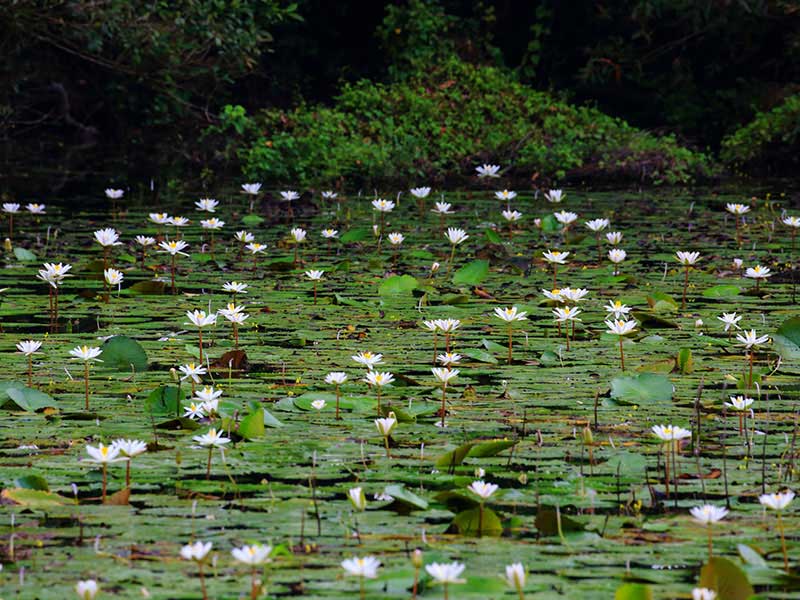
[298, 234]
[107, 237]
[516, 575]
[487, 170]
[505, 195]
[617, 308]
[512, 215]
[145, 240]
[777, 501]
[289, 195]
[455, 235]
[566, 218]
[101, 454]
[597, 225]
[757, 272]
[207, 204]
[749, 338]
[687, 258]
[569, 313]
[35, 208]
[703, 594]
[737, 209]
[444, 375]
[482, 489]
[448, 358]
[442, 208]
[159, 218]
[329, 194]
[383, 205]
[614, 237]
[793, 222]
[86, 353]
[329, 234]
[510, 314]
[130, 448]
[336, 377]
[386, 426]
[554, 295]
[670, 433]
[212, 438]
[368, 359]
[555, 257]
[446, 573]
[730, 320]
[708, 513]
[740, 403]
[86, 589]
[314, 275]
[195, 411]
[420, 192]
[113, 277]
[212, 223]
[29, 347]
[617, 255]
[574, 295]
[366, 567]
[179, 221]
[396, 238]
[196, 552]
[113, 194]
[199, 318]
[174, 247]
[251, 188]
[10, 208]
[234, 287]
[318, 404]
[252, 555]
[448, 325]
[192, 371]
[357, 498]
[256, 248]
[244, 237]
[378, 378]
[618, 327]
[554, 196]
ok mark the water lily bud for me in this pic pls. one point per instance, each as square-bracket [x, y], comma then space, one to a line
[174, 374]
[7, 245]
[588, 438]
[435, 267]
[416, 558]
[698, 323]
[537, 223]
[523, 478]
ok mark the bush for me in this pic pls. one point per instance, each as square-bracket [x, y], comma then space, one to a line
[771, 140]
[432, 127]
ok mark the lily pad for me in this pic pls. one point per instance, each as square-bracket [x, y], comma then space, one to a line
[472, 273]
[30, 399]
[122, 353]
[644, 388]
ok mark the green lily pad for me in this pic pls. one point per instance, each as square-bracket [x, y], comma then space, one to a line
[122, 353]
[29, 399]
[472, 274]
[644, 388]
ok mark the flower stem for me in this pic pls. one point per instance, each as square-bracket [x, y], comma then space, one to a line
[30, 371]
[173, 274]
[685, 285]
[783, 543]
[208, 464]
[105, 481]
[202, 581]
[710, 543]
[621, 354]
[86, 383]
[337, 402]
[200, 342]
[510, 334]
[444, 398]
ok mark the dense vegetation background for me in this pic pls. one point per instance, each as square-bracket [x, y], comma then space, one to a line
[652, 90]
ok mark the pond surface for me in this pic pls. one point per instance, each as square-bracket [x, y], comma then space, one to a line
[286, 483]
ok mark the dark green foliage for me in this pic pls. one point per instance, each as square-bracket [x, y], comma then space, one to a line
[446, 122]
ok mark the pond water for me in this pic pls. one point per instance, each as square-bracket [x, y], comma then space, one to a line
[285, 482]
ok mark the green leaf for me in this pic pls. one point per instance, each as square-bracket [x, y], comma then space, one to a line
[32, 482]
[252, 220]
[546, 522]
[685, 362]
[471, 522]
[355, 235]
[725, 578]
[722, 291]
[36, 499]
[162, 401]
[270, 420]
[123, 354]
[397, 285]
[454, 457]
[750, 556]
[148, 287]
[406, 501]
[24, 255]
[787, 338]
[643, 388]
[252, 426]
[494, 346]
[633, 591]
[493, 237]
[490, 448]
[472, 273]
[30, 399]
[480, 356]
